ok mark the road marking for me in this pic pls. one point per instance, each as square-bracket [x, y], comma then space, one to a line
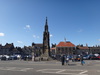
[48, 69]
[73, 73]
[7, 68]
[41, 70]
[98, 70]
[26, 69]
[83, 72]
[15, 69]
[64, 71]
[60, 71]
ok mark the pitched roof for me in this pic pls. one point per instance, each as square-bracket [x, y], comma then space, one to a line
[83, 48]
[65, 44]
[38, 45]
[8, 46]
[53, 48]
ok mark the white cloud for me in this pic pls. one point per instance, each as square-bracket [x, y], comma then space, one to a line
[2, 34]
[27, 27]
[98, 39]
[36, 37]
[51, 35]
[80, 31]
[19, 42]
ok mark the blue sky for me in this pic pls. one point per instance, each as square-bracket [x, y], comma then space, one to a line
[22, 21]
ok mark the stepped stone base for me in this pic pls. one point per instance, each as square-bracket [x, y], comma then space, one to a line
[44, 57]
[37, 59]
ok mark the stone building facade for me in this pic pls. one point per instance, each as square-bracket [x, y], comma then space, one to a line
[65, 48]
[94, 50]
[7, 49]
[82, 49]
[37, 49]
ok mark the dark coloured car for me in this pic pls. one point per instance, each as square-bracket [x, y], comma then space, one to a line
[26, 57]
[3, 58]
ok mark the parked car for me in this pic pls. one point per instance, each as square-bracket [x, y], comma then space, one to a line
[98, 57]
[26, 57]
[10, 58]
[85, 57]
[77, 58]
[3, 58]
[93, 57]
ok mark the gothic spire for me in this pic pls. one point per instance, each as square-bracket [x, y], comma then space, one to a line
[46, 25]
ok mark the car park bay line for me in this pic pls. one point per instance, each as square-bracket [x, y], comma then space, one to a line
[25, 69]
[72, 74]
[98, 70]
[15, 69]
[61, 71]
[83, 72]
[48, 69]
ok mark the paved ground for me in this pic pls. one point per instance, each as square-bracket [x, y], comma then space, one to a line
[91, 67]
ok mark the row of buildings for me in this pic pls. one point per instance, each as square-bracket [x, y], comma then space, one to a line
[69, 48]
[9, 49]
[61, 48]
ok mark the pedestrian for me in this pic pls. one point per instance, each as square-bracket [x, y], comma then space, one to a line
[33, 58]
[81, 59]
[73, 58]
[67, 60]
[63, 59]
